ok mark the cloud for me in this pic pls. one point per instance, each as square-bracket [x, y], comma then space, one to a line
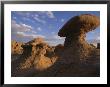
[24, 35]
[57, 37]
[23, 30]
[52, 43]
[38, 16]
[50, 14]
[30, 15]
[24, 13]
[28, 19]
[39, 20]
[26, 26]
[20, 27]
[34, 32]
[55, 40]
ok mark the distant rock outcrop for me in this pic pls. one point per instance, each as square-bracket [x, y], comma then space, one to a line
[36, 55]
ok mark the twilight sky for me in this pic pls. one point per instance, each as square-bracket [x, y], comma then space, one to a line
[27, 25]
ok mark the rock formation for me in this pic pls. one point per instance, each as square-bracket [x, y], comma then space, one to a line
[33, 56]
[16, 47]
[98, 45]
[59, 49]
[76, 47]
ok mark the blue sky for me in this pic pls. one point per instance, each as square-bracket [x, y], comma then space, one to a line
[27, 25]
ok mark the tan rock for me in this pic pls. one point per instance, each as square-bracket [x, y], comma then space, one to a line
[76, 47]
[16, 47]
[33, 56]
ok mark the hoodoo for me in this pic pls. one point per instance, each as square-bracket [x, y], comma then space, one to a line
[75, 32]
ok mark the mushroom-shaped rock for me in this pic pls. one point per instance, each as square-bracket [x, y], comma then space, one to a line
[75, 46]
[77, 27]
[79, 24]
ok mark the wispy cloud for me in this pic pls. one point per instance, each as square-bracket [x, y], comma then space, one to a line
[23, 13]
[24, 35]
[20, 27]
[50, 14]
[54, 40]
[34, 32]
[38, 16]
[23, 30]
[39, 20]
[57, 37]
[26, 26]
[28, 19]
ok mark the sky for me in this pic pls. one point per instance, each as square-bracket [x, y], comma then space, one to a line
[27, 25]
